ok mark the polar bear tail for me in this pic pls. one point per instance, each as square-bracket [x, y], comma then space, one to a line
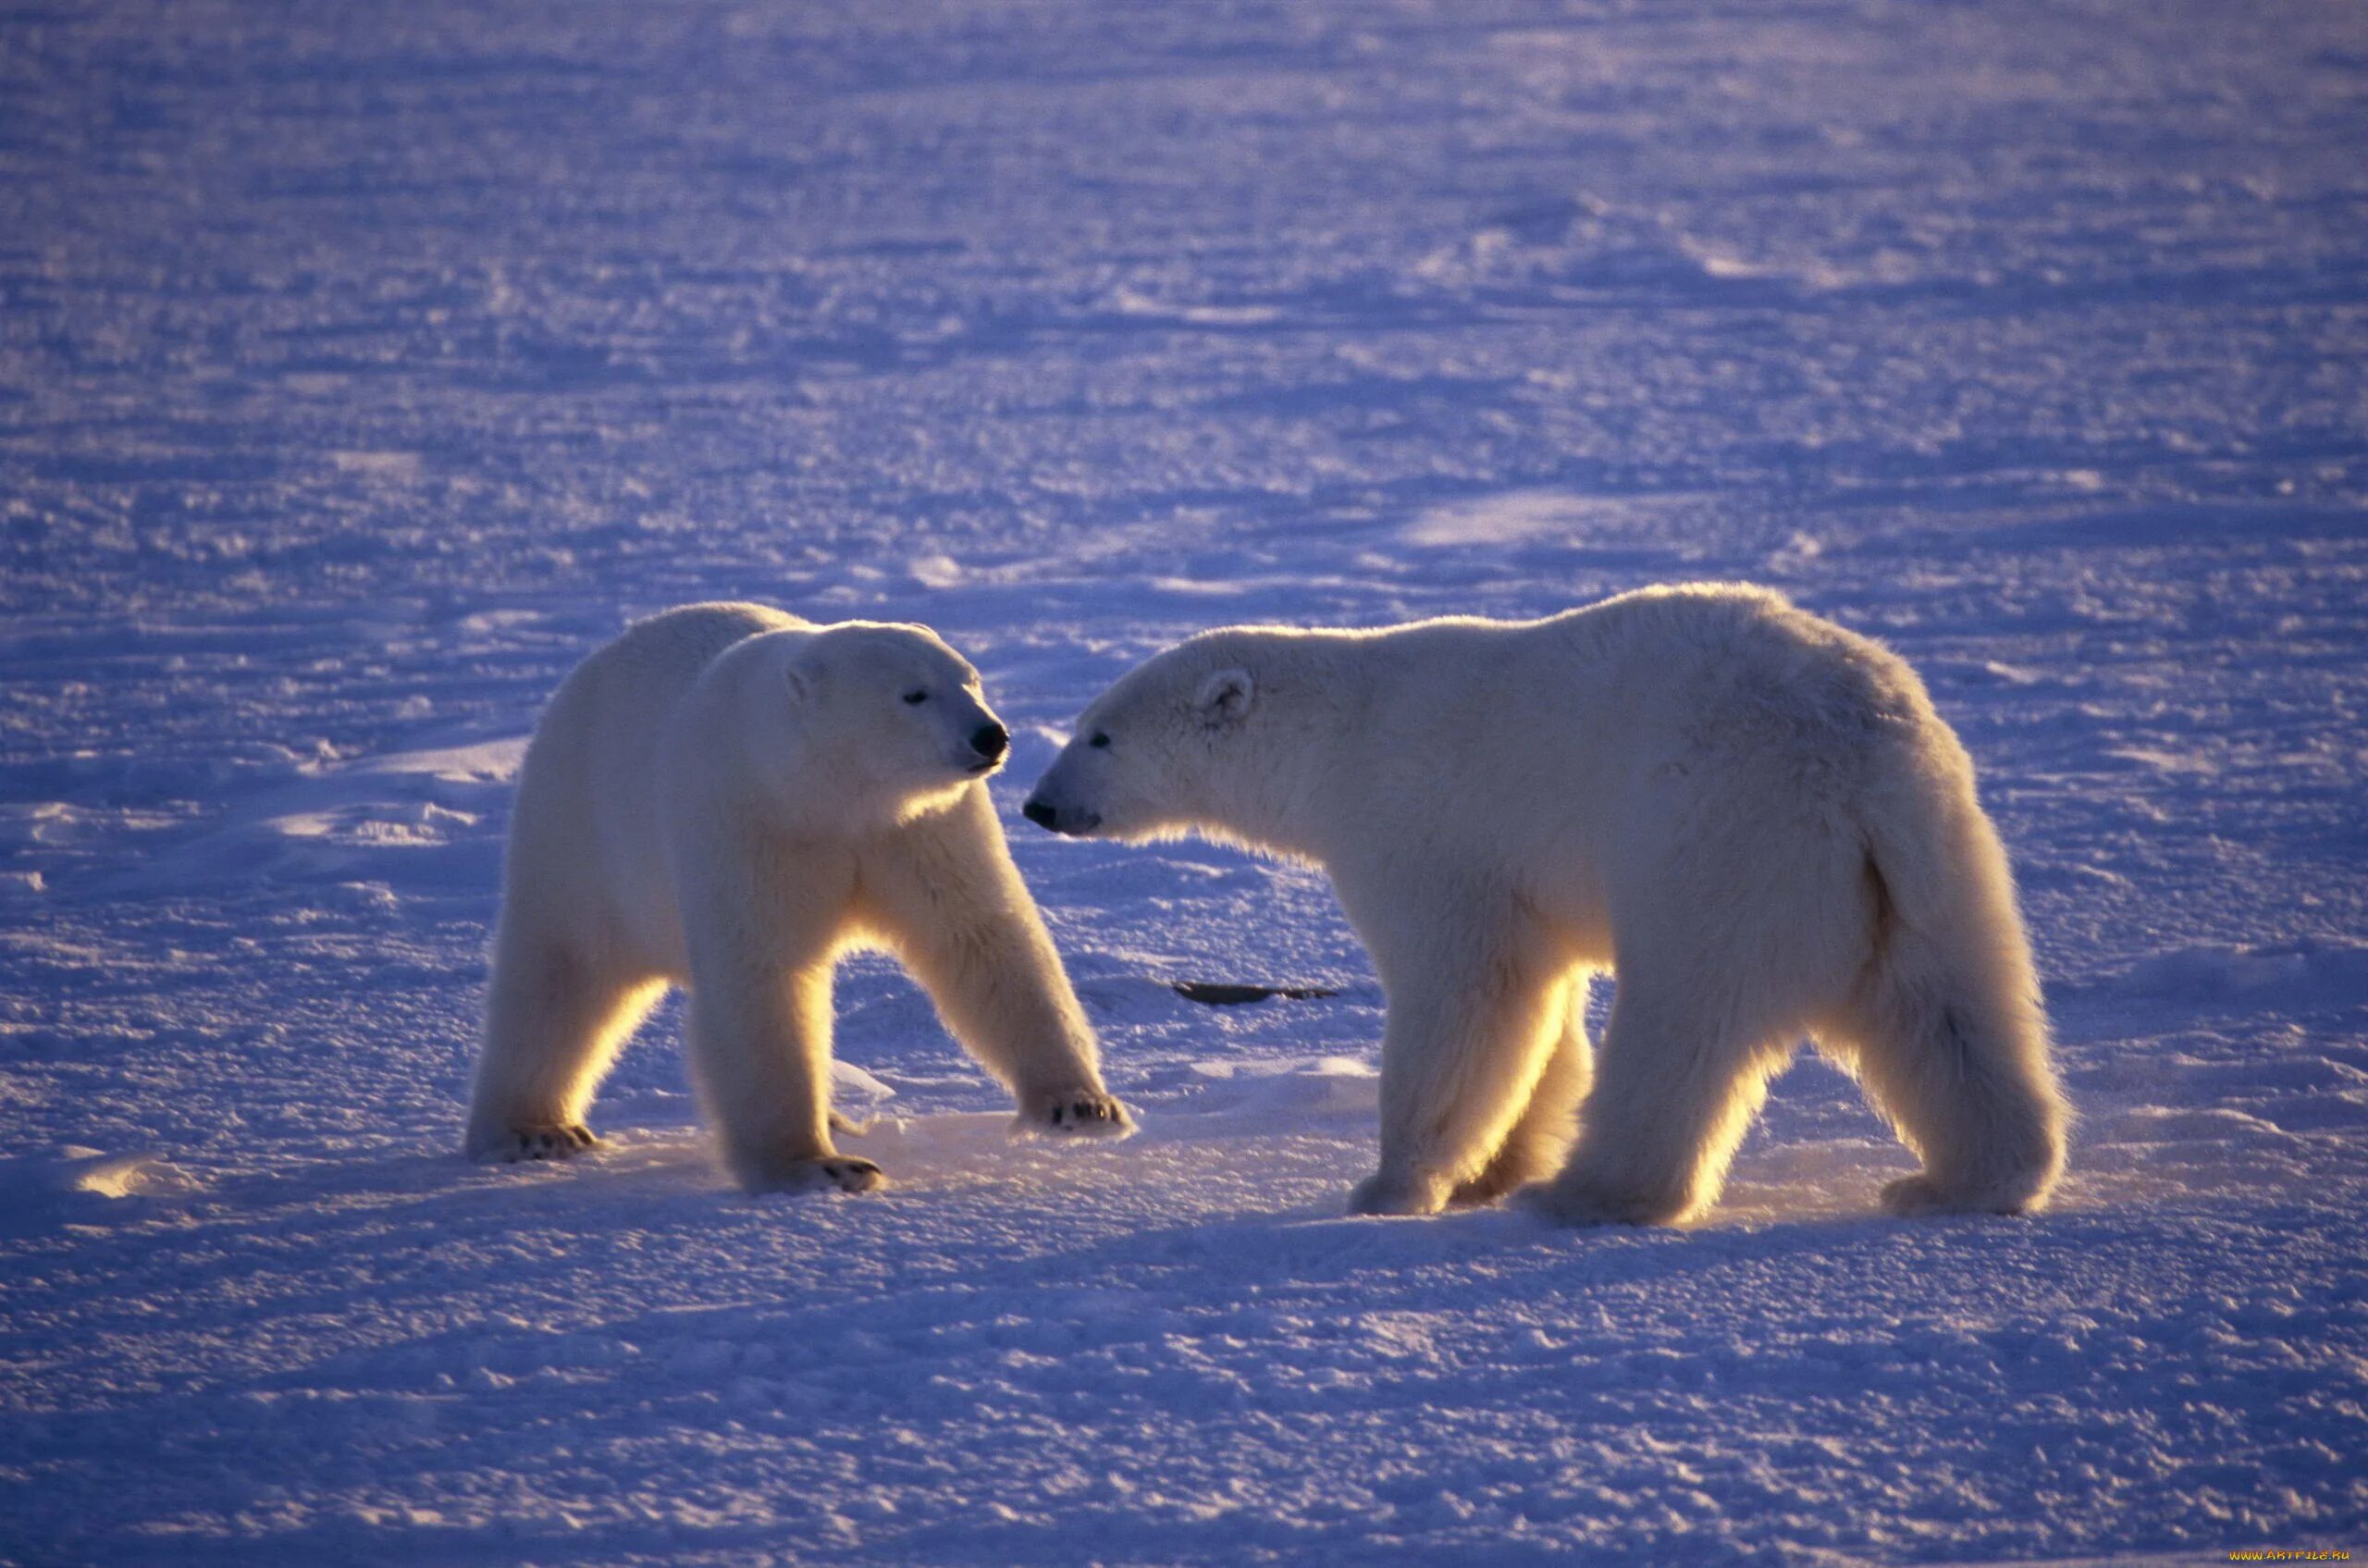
[1950, 1040]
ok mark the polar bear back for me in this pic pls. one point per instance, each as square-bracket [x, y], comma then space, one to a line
[1572, 753]
[588, 793]
[1703, 676]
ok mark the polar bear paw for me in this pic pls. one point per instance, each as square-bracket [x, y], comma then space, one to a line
[1507, 1173]
[1911, 1196]
[1074, 1113]
[558, 1142]
[831, 1173]
[1582, 1207]
[1384, 1193]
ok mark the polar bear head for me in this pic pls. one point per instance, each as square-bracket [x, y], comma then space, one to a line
[883, 721]
[1186, 742]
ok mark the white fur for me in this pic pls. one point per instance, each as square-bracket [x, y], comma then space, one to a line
[1752, 816]
[726, 797]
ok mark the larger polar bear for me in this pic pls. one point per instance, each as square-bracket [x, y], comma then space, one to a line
[725, 798]
[1752, 816]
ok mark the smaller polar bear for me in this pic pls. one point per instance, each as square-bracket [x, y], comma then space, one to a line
[726, 797]
[1754, 818]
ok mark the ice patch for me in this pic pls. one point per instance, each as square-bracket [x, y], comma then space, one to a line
[1126, 302]
[1287, 1088]
[2291, 974]
[81, 1186]
[490, 761]
[417, 819]
[856, 1091]
[398, 466]
[2172, 1124]
[1505, 519]
[936, 571]
[1721, 267]
[1531, 517]
[2163, 762]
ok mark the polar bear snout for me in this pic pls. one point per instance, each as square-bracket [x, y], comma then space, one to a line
[1052, 805]
[989, 740]
[1060, 818]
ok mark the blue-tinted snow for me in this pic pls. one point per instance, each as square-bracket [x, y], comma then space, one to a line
[363, 365]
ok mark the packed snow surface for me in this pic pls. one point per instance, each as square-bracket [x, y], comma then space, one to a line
[364, 365]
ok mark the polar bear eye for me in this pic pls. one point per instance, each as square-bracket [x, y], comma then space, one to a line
[1101, 740]
[915, 698]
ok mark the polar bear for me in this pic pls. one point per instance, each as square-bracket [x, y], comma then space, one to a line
[726, 797]
[1752, 817]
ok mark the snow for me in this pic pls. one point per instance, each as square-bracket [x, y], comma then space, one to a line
[361, 368]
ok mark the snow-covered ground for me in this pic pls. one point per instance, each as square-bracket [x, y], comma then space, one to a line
[364, 364]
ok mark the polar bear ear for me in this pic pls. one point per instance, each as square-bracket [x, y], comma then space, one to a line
[1224, 695]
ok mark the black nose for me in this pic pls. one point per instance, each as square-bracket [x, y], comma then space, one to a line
[1039, 814]
[988, 740]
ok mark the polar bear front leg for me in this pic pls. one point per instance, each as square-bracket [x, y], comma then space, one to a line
[942, 891]
[1535, 1147]
[1474, 1017]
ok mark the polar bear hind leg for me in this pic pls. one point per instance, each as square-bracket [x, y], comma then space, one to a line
[1950, 1047]
[1954, 1092]
[555, 1018]
[1943, 1027]
[1684, 1068]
